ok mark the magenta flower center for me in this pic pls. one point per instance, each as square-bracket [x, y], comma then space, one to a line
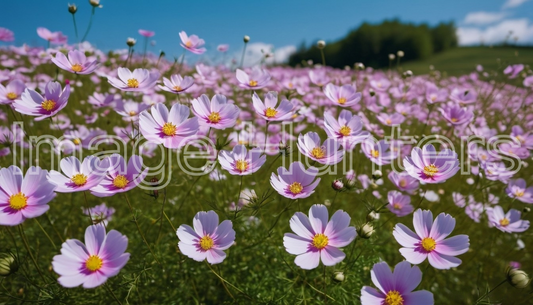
[133, 83]
[12, 95]
[296, 188]
[504, 222]
[318, 152]
[169, 129]
[48, 105]
[320, 241]
[206, 243]
[252, 83]
[79, 179]
[18, 201]
[120, 181]
[342, 101]
[94, 263]
[429, 244]
[214, 117]
[430, 170]
[270, 112]
[345, 131]
[76, 68]
[241, 165]
[393, 298]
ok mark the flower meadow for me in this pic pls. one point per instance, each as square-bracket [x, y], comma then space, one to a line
[127, 178]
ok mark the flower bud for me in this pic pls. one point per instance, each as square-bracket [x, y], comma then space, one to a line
[365, 231]
[339, 276]
[392, 56]
[8, 264]
[373, 215]
[72, 8]
[246, 38]
[400, 53]
[284, 149]
[94, 3]
[377, 175]
[359, 66]
[337, 185]
[321, 44]
[517, 278]
[407, 73]
[131, 42]
[372, 92]
[526, 210]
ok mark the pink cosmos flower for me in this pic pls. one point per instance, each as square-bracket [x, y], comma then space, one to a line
[328, 152]
[463, 96]
[170, 129]
[120, 177]
[78, 176]
[296, 182]
[11, 91]
[23, 197]
[130, 110]
[429, 240]
[514, 150]
[92, 264]
[34, 104]
[404, 182]
[395, 288]
[528, 81]
[99, 100]
[380, 84]
[223, 48]
[52, 37]
[318, 239]
[474, 210]
[509, 222]
[208, 239]
[379, 153]
[76, 62]
[343, 96]
[6, 35]
[428, 166]
[138, 80]
[217, 113]
[177, 84]
[456, 115]
[513, 70]
[100, 214]
[517, 189]
[146, 33]
[257, 79]
[390, 119]
[192, 43]
[269, 111]
[525, 138]
[347, 129]
[434, 94]
[399, 204]
[240, 161]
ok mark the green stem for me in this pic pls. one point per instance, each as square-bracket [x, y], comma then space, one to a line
[323, 57]
[48, 236]
[230, 284]
[89, 26]
[112, 294]
[488, 292]
[23, 237]
[75, 28]
[243, 52]
[181, 61]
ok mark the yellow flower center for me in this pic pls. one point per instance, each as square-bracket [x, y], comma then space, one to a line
[290, 85]
[270, 112]
[79, 179]
[388, 121]
[177, 88]
[188, 44]
[94, 263]
[454, 120]
[430, 170]
[241, 165]
[120, 181]
[206, 243]
[133, 83]
[77, 141]
[403, 183]
[397, 206]
[504, 222]
[393, 298]
[48, 105]
[214, 117]
[296, 188]
[169, 129]
[429, 244]
[374, 153]
[519, 138]
[318, 152]
[519, 193]
[11, 95]
[320, 241]
[132, 113]
[76, 68]
[18, 201]
[342, 101]
[252, 83]
[433, 98]
[345, 131]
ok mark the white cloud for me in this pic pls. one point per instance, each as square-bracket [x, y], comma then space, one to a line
[256, 51]
[520, 28]
[481, 18]
[513, 3]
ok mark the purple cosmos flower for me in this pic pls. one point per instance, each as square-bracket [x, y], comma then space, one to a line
[208, 239]
[497, 171]
[463, 96]
[130, 110]
[177, 84]
[76, 62]
[429, 166]
[296, 182]
[192, 43]
[395, 288]
[23, 197]
[348, 129]
[257, 79]
[380, 152]
[328, 152]
[120, 177]
[513, 70]
[399, 204]
[517, 189]
[269, 111]
[429, 240]
[92, 264]
[404, 182]
[514, 150]
[146, 33]
[217, 113]
[170, 129]
[434, 94]
[525, 138]
[34, 104]
[11, 91]
[528, 81]
[52, 37]
[318, 239]
[509, 222]
[6, 35]
[391, 119]
[138, 80]
[474, 210]
[456, 115]
[100, 214]
[240, 161]
[99, 100]
[78, 176]
[223, 48]
[380, 84]
[343, 96]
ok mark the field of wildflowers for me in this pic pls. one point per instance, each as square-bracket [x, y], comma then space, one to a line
[129, 179]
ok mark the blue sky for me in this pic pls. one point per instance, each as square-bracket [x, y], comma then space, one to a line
[279, 24]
